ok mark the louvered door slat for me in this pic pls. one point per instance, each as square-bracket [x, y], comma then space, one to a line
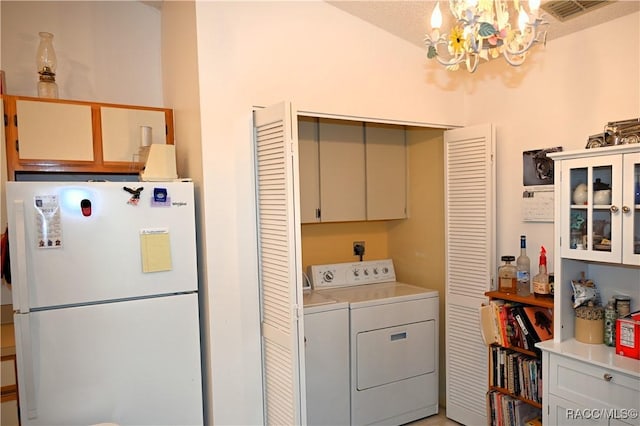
[470, 235]
[278, 262]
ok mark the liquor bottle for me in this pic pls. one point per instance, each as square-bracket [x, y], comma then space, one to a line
[508, 276]
[523, 266]
[541, 285]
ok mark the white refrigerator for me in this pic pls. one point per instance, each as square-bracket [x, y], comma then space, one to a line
[105, 299]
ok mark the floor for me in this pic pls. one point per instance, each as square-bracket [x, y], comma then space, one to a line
[439, 419]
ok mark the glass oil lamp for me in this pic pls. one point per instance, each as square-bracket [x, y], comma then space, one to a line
[47, 63]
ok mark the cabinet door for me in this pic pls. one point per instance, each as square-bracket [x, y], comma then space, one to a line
[326, 348]
[342, 170]
[386, 167]
[592, 218]
[563, 412]
[122, 131]
[54, 131]
[308, 157]
[631, 210]
[9, 413]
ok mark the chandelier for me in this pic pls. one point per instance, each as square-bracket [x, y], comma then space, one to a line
[483, 30]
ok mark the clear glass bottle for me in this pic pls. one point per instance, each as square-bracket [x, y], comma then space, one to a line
[47, 62]
[523, 266]
[541, 287]
[507, 275]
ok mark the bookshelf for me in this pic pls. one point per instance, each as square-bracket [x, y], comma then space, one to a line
[511, 328]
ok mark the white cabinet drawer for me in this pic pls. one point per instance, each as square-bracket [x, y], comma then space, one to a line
[568, 413]
[592, 386]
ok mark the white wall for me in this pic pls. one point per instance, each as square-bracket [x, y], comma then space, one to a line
[566, 92]
[260, 53]
[107, 51]
[324, 60]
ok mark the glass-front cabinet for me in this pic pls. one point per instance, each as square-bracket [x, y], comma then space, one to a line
[600, 205]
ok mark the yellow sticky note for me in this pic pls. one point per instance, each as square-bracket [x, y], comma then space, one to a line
[156, 250]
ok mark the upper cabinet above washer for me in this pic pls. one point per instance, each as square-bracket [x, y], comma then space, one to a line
[45, 135]
[351, 170]
[386, 169]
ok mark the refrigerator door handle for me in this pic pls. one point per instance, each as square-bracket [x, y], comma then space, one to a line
[21, 285]
[25, 366]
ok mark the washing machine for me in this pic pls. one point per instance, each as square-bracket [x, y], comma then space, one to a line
[393, 341]
[326, 350]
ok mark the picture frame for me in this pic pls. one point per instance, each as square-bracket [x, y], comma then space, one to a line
[537, 168]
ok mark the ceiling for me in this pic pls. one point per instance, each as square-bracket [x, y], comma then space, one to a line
[409, 20]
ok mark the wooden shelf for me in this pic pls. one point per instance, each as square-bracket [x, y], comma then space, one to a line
[506, 392]
[519, 349]
[544, 302]
[512, 355]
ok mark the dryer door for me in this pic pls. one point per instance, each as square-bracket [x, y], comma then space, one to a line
[395, 353]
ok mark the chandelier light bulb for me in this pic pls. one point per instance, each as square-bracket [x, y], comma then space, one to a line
[472, 3]
[534, 5]
[436, 17]
[523, 20]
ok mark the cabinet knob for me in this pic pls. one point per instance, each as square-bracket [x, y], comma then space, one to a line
[614, 209]
[607, 377]
[625, 209]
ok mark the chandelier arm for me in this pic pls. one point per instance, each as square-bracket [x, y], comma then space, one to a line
[454, 60]
[534, 38]
[476, 61]
[511, 58]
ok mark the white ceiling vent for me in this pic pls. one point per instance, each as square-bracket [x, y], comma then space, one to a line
[565, 10]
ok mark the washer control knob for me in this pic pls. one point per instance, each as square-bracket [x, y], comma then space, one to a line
[375, 271]
[366, 272]
[327, 276]
[385, 270]
[356, 273]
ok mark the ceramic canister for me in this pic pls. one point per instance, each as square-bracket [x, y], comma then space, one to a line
[589, 324]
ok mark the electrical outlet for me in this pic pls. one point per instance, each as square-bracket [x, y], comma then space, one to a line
[358, 248]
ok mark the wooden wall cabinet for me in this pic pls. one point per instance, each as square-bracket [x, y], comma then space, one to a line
[351, 170]
[9, 392]
[52, 135]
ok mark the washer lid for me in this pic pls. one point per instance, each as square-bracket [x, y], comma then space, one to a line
[314, 301]
[380, 293]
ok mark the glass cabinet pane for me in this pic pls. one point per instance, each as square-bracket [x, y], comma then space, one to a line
[602, 186]
[636, 208]
[579, 215]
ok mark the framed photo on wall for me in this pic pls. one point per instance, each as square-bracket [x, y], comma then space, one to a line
[537, 168]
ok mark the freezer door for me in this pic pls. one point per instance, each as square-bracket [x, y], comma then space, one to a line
[131, 363]
[75, 243]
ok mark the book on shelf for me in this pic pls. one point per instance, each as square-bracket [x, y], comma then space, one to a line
[490, 323]
[530, 336]
[512, 324]
[517, 373]
[504, 410]
[541, 320]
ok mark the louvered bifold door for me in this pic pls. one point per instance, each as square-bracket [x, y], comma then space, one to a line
[279, 265]
[470, 247]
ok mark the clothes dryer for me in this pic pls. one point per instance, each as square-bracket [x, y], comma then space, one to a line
[393, 336]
